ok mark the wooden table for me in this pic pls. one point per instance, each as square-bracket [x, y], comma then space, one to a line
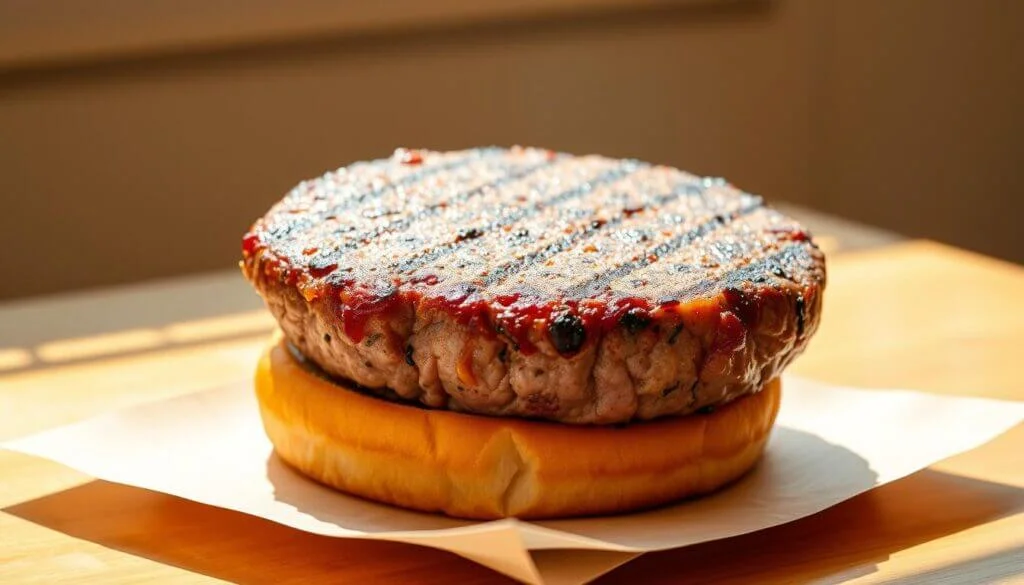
[911, 314]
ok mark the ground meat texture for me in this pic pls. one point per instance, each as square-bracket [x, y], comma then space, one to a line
[521, 282]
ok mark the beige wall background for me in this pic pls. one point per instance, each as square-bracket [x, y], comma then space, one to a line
[141, 142]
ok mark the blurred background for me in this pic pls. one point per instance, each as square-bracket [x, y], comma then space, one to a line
[139, 139]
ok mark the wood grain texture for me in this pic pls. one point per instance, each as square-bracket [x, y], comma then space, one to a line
[919, 315]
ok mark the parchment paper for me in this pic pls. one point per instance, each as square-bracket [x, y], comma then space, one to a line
[830, 444]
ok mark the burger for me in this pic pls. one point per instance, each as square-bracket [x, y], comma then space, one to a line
[518, 332]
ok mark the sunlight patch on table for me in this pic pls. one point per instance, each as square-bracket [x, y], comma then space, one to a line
[99, 345]
[12, 358]
[219, 327]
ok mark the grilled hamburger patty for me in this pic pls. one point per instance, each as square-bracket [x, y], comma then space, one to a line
[523, 282]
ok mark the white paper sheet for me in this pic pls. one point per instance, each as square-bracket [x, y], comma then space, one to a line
[830, 444]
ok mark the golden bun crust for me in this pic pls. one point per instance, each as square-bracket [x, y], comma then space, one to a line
[473, 466]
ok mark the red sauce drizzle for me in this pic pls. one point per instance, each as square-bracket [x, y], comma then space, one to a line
[249, 243]
[355, 309]
[292, 274]
[428, 280]
[514, 317]
[743, 305]
[792, 234]
[517, 321]
[506, 300]
[467, 308]
[730, 334]
[521, 316]
[411, 157]
[602, 317]
[318, 271]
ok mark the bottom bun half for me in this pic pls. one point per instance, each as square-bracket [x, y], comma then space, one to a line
[482, 467]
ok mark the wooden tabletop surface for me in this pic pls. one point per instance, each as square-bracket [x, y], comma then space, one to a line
[909, 314]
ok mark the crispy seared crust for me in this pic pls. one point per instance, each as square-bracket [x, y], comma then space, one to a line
[475, 466]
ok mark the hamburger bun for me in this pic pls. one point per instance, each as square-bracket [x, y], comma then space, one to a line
[482, 467]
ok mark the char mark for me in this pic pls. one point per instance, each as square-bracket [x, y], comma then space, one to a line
[511, 218]
[567, 333]
[509, 269]
[600, 281]
[468, 234]
[670, 389]
[800, 315]
[675, 334]
[635, 320]
[788, 257]
[405, 222]
[412, 179]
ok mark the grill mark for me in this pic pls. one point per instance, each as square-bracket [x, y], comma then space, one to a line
[412, 178]
[554, 202]
[405, 222]
[725, 253]
[505, 271]
[800, 314]
[601, 280]
[301, 223]
[737, 275]
[797, 263]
